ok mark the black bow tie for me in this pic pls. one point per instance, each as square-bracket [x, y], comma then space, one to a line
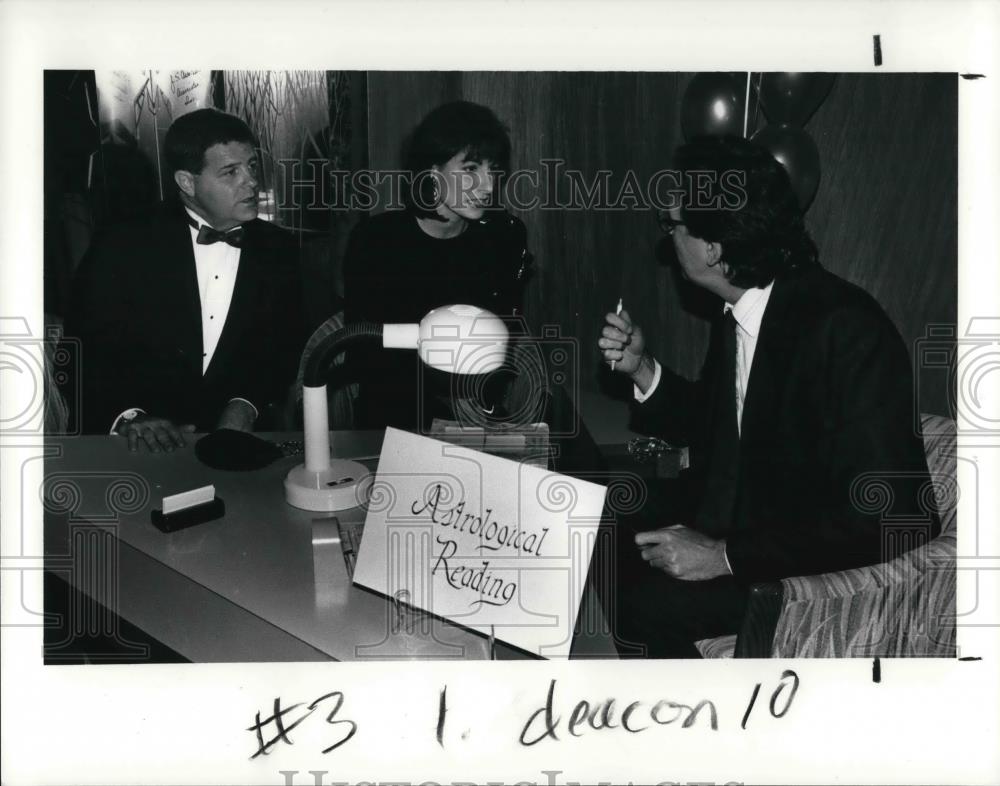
[207, 236]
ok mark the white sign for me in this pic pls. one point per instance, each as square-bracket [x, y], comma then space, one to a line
[488, 543]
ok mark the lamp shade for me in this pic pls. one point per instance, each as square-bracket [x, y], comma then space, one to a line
[455, 339]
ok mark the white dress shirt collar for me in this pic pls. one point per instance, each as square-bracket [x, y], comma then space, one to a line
[748, 311]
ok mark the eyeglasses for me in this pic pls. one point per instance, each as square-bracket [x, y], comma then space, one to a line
[668, 224]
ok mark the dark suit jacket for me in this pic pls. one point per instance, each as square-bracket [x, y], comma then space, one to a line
[828, 421]
[137, 313]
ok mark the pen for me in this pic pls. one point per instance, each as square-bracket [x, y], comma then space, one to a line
[618, 311]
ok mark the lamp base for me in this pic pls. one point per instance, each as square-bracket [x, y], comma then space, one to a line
[341, 486]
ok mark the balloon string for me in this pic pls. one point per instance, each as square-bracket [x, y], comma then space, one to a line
[756, 103]
[746, 106]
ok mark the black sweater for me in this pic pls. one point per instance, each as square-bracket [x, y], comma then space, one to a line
[395, 273]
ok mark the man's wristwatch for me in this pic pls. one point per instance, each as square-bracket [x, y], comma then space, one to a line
[124, 419]
[127, 417]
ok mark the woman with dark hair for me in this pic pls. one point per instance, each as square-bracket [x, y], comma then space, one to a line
[452, 244]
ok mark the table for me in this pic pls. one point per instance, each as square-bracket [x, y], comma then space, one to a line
[264, 583]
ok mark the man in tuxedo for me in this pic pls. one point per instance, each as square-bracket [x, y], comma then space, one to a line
[806, 395]
[190, 319]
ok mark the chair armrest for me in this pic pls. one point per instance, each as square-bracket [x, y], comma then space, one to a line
[766, 620]
[936, 555]
[904, 607]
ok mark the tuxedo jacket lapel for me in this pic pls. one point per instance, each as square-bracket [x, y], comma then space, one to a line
[770, 362]
[179, 278]
[241, 307]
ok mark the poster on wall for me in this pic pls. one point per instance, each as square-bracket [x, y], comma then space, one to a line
[136, 107]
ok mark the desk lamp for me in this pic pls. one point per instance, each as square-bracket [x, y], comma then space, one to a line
[454, 339]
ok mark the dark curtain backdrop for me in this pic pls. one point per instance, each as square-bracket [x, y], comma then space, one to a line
[885, 216]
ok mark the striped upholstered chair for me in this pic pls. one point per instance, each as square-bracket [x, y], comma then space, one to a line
[905, 607]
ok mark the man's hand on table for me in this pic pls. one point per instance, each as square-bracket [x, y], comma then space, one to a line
[684, 553]
[157, 433]
[238, 415]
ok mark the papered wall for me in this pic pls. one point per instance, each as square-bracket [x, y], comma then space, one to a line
[885, 215]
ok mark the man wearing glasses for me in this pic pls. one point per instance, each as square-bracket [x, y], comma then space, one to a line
[806, 387]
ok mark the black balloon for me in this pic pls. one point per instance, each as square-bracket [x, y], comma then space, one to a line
[793, 97]
[712, 106]
[797, 153]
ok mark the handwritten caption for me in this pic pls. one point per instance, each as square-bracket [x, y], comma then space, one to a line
[550, 722]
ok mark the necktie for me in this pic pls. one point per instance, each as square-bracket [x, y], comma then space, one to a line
[715, 514]
[207, 236]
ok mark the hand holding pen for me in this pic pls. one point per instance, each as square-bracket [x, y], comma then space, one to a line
[621, 343]
[618, 313]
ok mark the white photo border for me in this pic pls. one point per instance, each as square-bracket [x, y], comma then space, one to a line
[926, 721]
